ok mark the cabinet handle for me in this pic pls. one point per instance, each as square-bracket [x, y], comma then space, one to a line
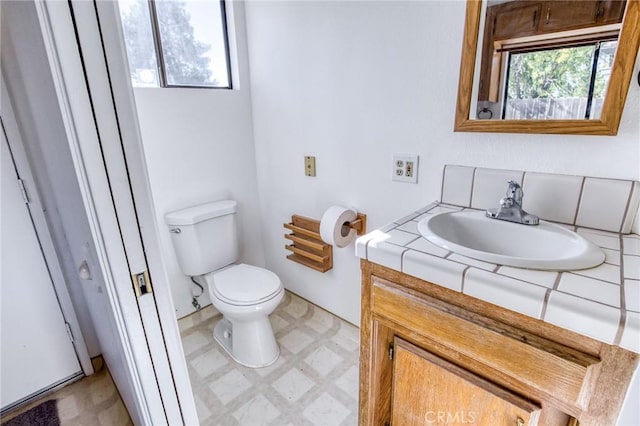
[519, 421]
[548, 14]
[599, 9]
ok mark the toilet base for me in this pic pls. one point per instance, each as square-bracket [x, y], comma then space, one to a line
[262, 353]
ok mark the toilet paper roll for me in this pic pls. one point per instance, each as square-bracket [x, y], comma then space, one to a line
[334, 226]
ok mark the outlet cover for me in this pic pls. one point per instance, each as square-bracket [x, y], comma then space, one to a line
[405, 168]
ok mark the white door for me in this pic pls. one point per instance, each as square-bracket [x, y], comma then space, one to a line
[36, 350]
[152, 381]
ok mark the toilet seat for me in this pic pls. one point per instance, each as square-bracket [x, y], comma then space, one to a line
[244, 285]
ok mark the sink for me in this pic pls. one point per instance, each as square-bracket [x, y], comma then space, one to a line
[545, 246]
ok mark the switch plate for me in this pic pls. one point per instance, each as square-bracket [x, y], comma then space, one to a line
[405, 168]
[309, 165]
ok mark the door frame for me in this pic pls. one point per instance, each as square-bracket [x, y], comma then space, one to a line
[107, 153]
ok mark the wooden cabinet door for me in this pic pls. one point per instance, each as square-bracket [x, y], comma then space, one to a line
[610, 11]
[428, 390]
[566, 15]
[558, 15]
[514, 19]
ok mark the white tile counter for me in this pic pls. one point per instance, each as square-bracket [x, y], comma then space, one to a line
[601, 302]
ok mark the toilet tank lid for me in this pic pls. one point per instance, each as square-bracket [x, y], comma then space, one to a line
[196, 214]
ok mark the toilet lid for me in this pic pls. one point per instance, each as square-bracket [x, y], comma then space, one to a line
[245, 284]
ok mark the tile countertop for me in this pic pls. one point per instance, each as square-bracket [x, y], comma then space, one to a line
[602, 302]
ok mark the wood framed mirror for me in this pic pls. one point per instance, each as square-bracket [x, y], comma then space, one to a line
[612, 105]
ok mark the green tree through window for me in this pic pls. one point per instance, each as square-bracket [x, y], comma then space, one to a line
[188, 50]
[138, 37]
[183, 55]
[551, 73]
[556, 83]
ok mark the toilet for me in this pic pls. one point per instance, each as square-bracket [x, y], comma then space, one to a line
[206, 245]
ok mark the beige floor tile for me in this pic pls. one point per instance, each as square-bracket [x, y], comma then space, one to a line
[314, 381]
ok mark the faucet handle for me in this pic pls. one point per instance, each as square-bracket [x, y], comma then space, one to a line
[513, 184]
[506, 202]
[515, 191]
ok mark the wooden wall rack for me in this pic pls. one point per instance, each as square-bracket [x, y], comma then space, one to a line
[307, 248]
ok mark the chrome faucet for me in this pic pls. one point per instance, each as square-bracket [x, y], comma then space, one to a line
[511, 207]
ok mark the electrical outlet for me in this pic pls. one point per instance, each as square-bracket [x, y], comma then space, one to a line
[405, 168]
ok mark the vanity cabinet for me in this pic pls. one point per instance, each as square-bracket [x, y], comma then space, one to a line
[430, 355]
[444, 393]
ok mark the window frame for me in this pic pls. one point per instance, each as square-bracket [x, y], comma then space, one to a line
[592, 76]
[503, 50]
[157, 43]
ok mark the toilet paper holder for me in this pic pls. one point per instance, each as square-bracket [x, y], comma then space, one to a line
[307, 246]
[359, 224]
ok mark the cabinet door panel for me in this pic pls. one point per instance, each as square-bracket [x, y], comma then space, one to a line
[565, 15]
[610, 11]
[537, 364]
[443, 393]
[515, 20]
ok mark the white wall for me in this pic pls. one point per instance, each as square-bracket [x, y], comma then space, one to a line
[354, 82]
[198, 145]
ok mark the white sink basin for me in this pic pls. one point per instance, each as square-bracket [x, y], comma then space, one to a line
[545, 246]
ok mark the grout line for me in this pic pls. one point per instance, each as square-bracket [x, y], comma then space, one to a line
[366, 249]
[575, 217]
[464, 275]
[594, 278]
[406, 250]
[577, 296]
[415, 239]
[623, 302]
[473, 183]
[444, 172]
[626, 209]
[547, 295]
[545, 303]
[621, 325]
[520, 280]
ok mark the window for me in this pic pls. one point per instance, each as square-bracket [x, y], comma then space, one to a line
[176, 43]
[562, 81]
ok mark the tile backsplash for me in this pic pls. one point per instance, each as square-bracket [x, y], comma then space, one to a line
[597, 203]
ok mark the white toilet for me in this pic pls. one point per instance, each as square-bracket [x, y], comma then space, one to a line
[206, 244]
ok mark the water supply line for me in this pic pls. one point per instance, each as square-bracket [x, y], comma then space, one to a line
[194, 301]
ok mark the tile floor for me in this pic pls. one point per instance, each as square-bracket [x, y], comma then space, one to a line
[314, 382]
[92, 400]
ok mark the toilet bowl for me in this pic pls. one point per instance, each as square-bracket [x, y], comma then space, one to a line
[206, 243]
[246, 295]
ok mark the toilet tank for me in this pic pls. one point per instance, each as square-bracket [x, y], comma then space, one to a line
[205, 236]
